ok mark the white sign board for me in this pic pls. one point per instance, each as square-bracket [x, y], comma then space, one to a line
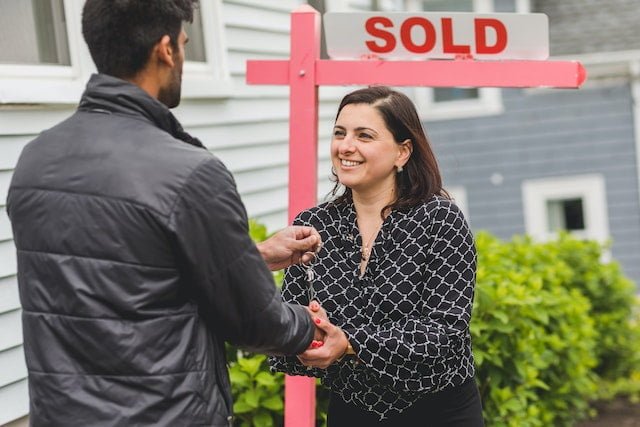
[437, 35]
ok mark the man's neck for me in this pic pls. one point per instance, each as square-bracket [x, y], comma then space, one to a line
[146, 83]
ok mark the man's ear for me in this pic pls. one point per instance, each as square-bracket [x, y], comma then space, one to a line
[164, 51]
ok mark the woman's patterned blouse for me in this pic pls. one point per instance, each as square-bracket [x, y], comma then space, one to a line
[407, 317]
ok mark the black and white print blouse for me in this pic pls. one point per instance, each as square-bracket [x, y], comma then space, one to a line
[407, 317]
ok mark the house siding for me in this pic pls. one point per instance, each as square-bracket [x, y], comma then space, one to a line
[542, 134]
[587, 26]
[13, 372]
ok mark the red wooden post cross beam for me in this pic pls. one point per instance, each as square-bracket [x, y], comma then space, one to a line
[305, 71]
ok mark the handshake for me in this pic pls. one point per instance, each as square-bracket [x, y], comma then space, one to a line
[329, 344]
[299, 245]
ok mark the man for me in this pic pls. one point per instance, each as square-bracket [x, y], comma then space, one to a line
[134, 261]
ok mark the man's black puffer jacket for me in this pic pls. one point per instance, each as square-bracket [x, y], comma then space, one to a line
[134, 267]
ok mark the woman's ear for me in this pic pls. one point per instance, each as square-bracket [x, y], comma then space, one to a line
[404, 152]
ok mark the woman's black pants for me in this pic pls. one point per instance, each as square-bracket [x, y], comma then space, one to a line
[456, 407]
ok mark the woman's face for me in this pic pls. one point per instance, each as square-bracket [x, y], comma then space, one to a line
[363, 151]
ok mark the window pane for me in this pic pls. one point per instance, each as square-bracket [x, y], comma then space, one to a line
[376, 5]
[446, 94]
[390, 5]
[447, 5]
[567, 214]
[33, 32]
[194, 50]
[504, 5]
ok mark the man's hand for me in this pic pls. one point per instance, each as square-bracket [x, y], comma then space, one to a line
[289, 246]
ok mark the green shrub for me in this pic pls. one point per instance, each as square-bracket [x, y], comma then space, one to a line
[532, 335]
[258, 398]
[613, 301]
[615, 311]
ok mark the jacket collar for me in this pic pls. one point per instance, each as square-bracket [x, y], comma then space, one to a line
[113, 95]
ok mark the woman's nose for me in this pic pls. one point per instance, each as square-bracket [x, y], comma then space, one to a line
[347, 145]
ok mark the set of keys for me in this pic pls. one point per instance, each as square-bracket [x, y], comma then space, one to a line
[310, 277]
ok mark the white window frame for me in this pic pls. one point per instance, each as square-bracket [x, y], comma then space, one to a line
[488, 103]
[589, 188]
[64, 84]
[523, 6]
[210, 79]
[59, 84]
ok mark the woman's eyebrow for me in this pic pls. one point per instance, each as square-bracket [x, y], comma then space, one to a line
[358, 129]
[364, 128]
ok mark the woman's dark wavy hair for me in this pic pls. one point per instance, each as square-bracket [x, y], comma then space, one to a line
[420, 179]
[121, 33]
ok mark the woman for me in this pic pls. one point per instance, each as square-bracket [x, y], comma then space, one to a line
[395, 277]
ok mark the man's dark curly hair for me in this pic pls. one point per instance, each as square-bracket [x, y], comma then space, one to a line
[121, 33]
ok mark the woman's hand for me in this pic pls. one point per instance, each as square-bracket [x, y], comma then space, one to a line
[335, 345]
[316, 311]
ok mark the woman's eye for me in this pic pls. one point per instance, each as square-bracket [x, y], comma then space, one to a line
[364, 135]
[338, 133]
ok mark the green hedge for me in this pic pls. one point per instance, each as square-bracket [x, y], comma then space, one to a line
[554, 327]
[534, 340]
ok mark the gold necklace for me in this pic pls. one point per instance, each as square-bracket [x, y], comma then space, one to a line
[366, 249]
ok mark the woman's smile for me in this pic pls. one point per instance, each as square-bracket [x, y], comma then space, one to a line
[349, 163]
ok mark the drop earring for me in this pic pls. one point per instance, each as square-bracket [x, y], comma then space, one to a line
[399, 169]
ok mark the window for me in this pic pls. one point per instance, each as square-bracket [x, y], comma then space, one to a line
[565, 214]
[42, 28]
[441, 94]
[575, 204]
[44, 59]
[444, 5]
[195, 50]
[206, 73]
[41, 55]
[364, 5]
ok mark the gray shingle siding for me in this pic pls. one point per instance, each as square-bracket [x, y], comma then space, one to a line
[546, 134]
[587, 26]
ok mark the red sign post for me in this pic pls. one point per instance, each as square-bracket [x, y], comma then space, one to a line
[305, 71]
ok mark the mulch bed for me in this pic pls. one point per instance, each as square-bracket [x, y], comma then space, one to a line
[619, 413]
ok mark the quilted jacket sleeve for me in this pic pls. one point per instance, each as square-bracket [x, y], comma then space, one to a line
[223, 268]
